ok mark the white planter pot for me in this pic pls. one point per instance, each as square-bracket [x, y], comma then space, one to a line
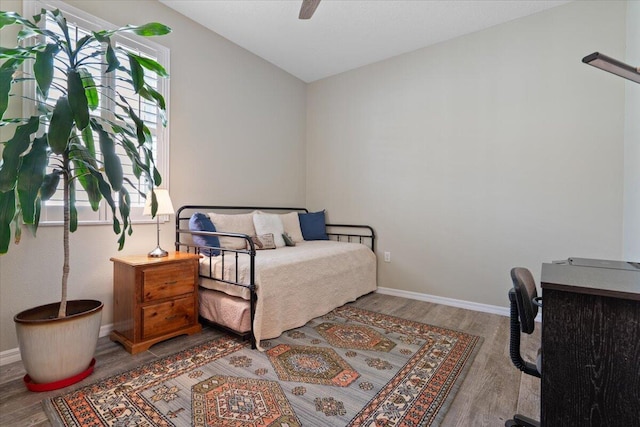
[54, 349]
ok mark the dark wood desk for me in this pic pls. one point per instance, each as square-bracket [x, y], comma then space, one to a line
[590, 344]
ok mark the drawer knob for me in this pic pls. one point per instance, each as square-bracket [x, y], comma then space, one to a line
[173, 282]
[171, 317]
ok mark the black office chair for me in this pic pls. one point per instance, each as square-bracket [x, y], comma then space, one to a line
[524, 308]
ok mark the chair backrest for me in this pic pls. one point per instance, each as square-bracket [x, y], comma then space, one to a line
[523, 314]
[525, 290]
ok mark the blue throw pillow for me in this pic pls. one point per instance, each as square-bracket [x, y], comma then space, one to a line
[313, 226]
[201, 222]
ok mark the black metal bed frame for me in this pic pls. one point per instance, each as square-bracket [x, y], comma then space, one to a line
[337, 232]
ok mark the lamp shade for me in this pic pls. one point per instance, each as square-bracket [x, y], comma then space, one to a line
[165, 207]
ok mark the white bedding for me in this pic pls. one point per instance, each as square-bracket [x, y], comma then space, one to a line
[296, 284]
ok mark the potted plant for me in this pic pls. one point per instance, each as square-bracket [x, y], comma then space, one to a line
[55, 149]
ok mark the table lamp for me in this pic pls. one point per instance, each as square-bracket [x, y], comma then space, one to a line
[165, 207]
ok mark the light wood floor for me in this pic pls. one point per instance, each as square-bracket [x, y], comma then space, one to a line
[492, 391]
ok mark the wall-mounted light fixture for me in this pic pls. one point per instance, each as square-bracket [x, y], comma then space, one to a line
[613, 66]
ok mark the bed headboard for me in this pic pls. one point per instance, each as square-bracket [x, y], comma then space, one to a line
[341, 232]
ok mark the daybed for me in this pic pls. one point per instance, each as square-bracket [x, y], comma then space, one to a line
[260, 293]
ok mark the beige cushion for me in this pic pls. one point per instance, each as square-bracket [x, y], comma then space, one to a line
[291, 224]
[266, 223]
[233, 223]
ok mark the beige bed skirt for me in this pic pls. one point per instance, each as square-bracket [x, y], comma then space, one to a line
[231, 312]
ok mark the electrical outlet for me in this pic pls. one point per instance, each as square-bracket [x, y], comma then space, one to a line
[387, 257]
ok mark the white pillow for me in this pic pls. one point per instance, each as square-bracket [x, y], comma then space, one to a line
[291, 223]
[233, 223]
[265, 223]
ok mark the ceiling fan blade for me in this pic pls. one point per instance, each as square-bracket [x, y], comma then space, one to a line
[307, 8]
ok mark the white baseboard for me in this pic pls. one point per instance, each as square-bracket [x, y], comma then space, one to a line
[484, 308]
[13, 355]
[9, 356]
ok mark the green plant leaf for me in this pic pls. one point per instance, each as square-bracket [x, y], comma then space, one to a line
[146, 30]
[154, 203]
[13, 64]
[133, 154]
[82, 42]
[124, 204]
[60, 126]
[39, 16]
[116, 225]
[49, 185]
[142, 131]
[89, 142]
[112, 59]
[86, 58]
[26, 33]
[137, 73]
[62, 23]
[13, 149]
[84, 164]
[106, 193]
[149, 64]
[90, 90]
[157, 178]
[10, 18]
[34, 227]
[7, 18]
[78, 99]
[6, 76]
[122, 130]
[7, 213]
[135, 187]
[121, 241]
[147, 164]
[29, 28]
[132, 115]
[158, 97]
[43, 68]
[150, 29]
[30, 178]
[154, 96]
[112, 164]
[113, 169]
[16, 52]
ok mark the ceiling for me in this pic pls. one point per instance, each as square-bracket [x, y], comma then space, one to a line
[347, 34]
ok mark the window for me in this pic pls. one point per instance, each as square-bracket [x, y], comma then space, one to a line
[80, 24]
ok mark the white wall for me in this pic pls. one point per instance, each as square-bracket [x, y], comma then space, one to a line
[237, 128]
[493, 150]
[432, 148]
[631, 222]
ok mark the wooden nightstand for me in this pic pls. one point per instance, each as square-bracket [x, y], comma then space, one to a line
[154, 299]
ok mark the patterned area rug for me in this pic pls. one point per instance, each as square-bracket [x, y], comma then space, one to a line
[351, 367]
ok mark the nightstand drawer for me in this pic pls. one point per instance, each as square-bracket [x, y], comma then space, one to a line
[167, 281]
[158, 319]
